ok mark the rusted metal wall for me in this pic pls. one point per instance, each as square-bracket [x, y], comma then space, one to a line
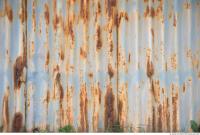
[90, 63]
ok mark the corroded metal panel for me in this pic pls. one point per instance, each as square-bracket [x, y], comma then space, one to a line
[91, 63]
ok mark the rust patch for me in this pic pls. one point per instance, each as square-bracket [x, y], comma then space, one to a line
[55, 21]
[8, 11]
[150, 68]
[33, 16]
[46, 13]
[110, 71]
[110, 4]
[5, 113]
[83, 52]
[109, 115]
[83, 109]
[84, 10]
[17, 122]
[98, 34]
[23, 11]
[146, 1]
[18, 72]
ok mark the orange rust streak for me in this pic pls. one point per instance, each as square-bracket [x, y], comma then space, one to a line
[17, 122]
[83, 109]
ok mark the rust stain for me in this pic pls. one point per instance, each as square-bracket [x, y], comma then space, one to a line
[150, 68]
[5, 112]
[110, 71]
[187, 5]
[174, 21]
[34, 16]
[62, 55]
[184, 87]
[153, 119]
[146, 1]
[69, 95]
[18, 72]
[17, 122]
[199, 75]
[23, 11]
[174, 61]
[46, 13]
[84, 10]
[122, 105]
[56, 19]
[160, 120]
[83, 52]
[109, 115]
[8, 11]
[120, 16]
[155, 89]
[90, 75]
[96, 106]
[149, 11]
[60, 88]
[129, 58]
[83, 109]
[152, 33]
[47, 58]
[98, 34]
[175, 117]
[110, 5]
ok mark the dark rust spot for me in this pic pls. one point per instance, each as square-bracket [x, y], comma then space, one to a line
[99, 42]
[90, 75]
[109, 108]
[150, 68]
[17, 122]
[55, 21]
[5, 115]
[9, 11]
[23, 11]
[48, 96]
[83, 109]
[84, 10]
[110, 71]
[46, 13]
[18, 72]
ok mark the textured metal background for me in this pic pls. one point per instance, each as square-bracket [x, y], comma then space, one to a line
[92, 63]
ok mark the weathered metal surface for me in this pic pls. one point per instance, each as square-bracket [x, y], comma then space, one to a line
[90, 63]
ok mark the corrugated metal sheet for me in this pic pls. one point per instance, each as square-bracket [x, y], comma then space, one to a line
[91, 63]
